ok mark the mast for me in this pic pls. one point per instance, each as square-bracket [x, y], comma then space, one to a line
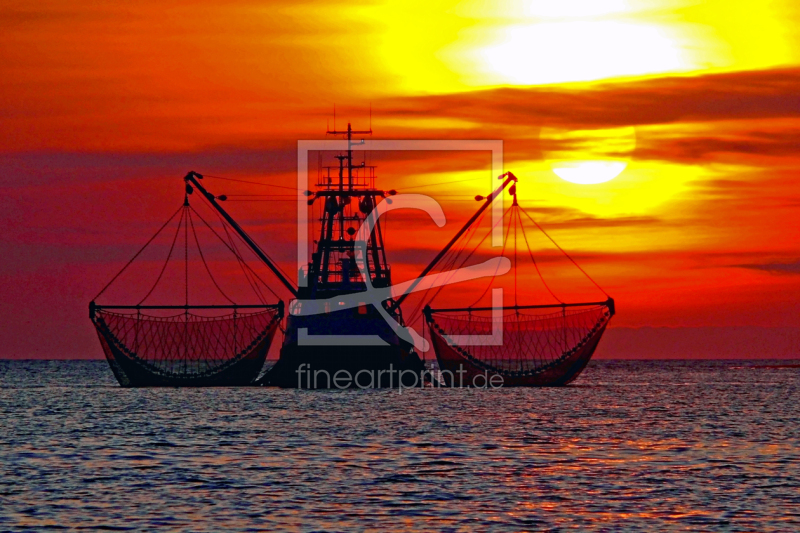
[349, 132]
[333, 267]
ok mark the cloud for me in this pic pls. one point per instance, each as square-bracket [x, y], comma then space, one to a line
[598, 222]
[63, 168]
[750, 142]
[774, 268]
[711, 97]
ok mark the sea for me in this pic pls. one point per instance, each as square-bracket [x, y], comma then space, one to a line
[630, 446]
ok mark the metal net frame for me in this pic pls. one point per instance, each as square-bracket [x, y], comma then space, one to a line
[186, 345]
[531, 343]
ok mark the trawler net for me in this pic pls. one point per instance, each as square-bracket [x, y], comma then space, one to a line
[519, 342]
[188, 344]
[538, 344]
[185, 344]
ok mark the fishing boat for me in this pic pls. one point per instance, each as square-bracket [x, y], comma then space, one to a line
[335, 335]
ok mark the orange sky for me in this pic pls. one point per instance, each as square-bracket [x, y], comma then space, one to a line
[106, 106]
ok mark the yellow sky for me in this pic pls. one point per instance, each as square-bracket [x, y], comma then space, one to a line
[69, 65]
[477, 44]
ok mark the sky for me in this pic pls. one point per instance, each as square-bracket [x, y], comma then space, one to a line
[656, 141]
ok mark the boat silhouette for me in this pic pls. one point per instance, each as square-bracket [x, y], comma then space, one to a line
[332, 339]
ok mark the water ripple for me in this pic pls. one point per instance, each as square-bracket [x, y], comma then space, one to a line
[640, 446]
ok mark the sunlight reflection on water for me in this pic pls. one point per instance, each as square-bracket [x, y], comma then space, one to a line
[634, 445]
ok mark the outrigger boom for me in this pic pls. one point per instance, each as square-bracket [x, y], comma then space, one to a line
[509, 178]
[192, 178]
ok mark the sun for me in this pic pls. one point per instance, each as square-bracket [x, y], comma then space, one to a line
[588, 172]
[587, 157]
[579, 50]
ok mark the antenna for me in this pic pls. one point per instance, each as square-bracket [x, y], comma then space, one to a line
[370, 117]
[334, 117]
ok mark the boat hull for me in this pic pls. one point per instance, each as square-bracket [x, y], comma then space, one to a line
[458, 371]
[344, 349]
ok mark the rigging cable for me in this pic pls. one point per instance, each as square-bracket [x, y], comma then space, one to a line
[171, 248]
[463, 262]
[513, 215]
[186, 284]
[274, 263]
[137, 253]
[533, 259]
[240, 260]
[502, 252]
[251, 182]
[441, 183]
[447, 262]
[247, 275]
[267, 195]
[205, 264]
[276, 200]
[565, 253]
[186, 253]
[235, 252]
[474, 231]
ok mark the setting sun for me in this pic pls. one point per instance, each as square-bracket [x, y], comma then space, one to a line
[581, 50]
[588, 172]
[587, 157]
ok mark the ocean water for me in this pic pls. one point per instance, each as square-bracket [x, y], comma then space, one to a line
[639, 446]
